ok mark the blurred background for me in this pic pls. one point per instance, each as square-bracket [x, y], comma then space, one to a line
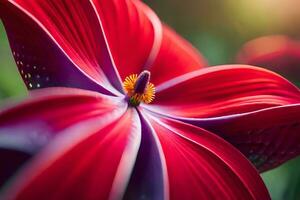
[218, 29]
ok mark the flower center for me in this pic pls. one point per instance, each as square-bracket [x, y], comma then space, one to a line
[139, 89]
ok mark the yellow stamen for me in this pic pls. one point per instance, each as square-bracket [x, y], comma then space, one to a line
[136, 98]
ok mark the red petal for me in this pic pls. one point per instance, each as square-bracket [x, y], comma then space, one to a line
[94, 162]
[277, 53]
[73, 31]
[203, 166]
[138, 41]
[28, 126]
[176, 57]
[223, 90]
[129, 28]
[219, 99]
[267, 137]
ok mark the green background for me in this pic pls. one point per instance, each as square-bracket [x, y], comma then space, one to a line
[218, 28]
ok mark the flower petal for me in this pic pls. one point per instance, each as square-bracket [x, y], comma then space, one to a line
[176, 57]
[27, 127]
[31, 124]
[203, 166]
[231, 102]
[276, 52]
[223, 90]
[266, 137]
[93, 162]
[130, 29]
[138, 41]
[66, 37]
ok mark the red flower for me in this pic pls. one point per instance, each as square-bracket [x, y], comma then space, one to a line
[277, 52]
[106, 141]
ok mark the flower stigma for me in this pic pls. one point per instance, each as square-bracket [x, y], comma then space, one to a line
[139, 89]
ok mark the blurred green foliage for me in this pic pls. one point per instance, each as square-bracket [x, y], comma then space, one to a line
[11, 84]
[218, 29]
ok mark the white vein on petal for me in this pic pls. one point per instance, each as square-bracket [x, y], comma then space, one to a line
[128, 160]
[162, 158]
[179, 79]
[108, 48]
[158, 35]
